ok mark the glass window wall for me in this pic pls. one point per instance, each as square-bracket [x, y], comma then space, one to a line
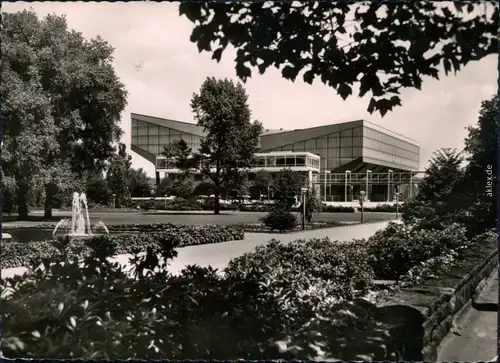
[290, 161]
[271, 161]
[300, 161]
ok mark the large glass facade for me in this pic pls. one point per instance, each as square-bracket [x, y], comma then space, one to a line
[344, 146]
[152, 138]
[384, 147]
[334, 149]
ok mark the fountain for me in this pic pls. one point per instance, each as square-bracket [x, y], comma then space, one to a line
[80, 222]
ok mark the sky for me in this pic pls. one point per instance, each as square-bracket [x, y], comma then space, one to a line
[161, 69]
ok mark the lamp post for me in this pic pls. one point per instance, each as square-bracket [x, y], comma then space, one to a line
[389, 185]
[345, 193]
[114, 201]
[368, 172]
[361, 202]
[303, 192]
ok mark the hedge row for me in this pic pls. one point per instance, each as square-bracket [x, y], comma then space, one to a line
[14, 254]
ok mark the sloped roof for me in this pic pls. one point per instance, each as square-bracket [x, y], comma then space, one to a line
[186, 127]
[291, 137]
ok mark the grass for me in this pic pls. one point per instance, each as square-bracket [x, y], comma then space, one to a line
[188, 218]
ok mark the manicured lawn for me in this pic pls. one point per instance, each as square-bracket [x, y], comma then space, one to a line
[191, 218]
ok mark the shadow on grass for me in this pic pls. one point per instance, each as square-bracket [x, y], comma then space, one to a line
[359, 330]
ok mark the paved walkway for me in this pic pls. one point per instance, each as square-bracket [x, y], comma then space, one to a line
[475, 337]
[218, 255]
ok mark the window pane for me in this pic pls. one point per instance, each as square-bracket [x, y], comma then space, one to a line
[333, 153]
[346, 141]
[333, 163]
[301, 161]
[270, 161]
[323, 163]
[290, 161]
[261, 161]
[346, 133]
[143, 140]
[358, 152]
[153, 130]
[357, 141]
[153, 149]
[135, 139]
[153, 139]
[287, 148]
[164, 131]
[322, 142]
[174, 138]
[310, 144]
[299, 146]
[142, 131]
[358, 131]
[280, 161]
[333, 140]
[134, 122]
[163, 140]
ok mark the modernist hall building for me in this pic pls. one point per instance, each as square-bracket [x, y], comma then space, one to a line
[340, 159]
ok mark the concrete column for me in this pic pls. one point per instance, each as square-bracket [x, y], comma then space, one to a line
[157, 173]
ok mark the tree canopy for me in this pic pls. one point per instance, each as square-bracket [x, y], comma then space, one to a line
[377, 48]
[61, 104]
[221, 108]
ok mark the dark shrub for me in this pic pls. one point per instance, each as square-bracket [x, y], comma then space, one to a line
[336, 209]
[308, 274]
[182, 204]
[398, 248]
[386, 208]
[280, 219]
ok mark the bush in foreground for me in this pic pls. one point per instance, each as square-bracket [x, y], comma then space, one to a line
[398, 248]
[94, 310]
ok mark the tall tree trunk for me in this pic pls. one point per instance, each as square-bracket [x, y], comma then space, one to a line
[22, 201]
[217, 202]
[48, 202]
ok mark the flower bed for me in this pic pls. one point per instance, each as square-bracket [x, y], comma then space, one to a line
[384, 208]
[399, 251]
[336, 209]
[20, 254]
[261, 228]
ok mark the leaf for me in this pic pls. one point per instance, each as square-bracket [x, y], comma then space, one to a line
[36, 334]
[60, 307]
[290, 72]
[309, 76]
[447, 66]
[243, 71]
[344, 90]
[217, 54]
[191, 10]
[72, 321]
